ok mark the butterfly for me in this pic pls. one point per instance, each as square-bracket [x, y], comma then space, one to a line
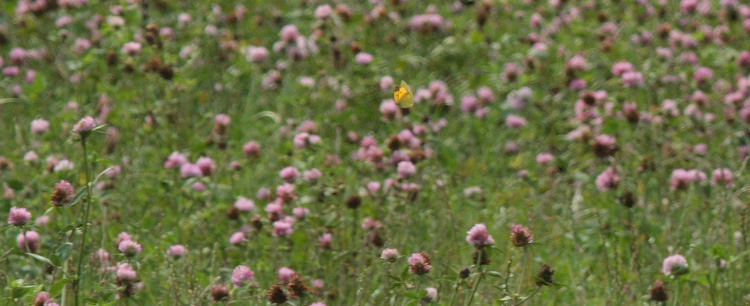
[403, 96]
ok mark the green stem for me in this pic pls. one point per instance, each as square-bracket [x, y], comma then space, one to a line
[478, 260]
[455, 292]
[476, 286]
[507, 275]
[66, 264]
[354, 229]
[524, 267]
[528, 297]
[81, 250]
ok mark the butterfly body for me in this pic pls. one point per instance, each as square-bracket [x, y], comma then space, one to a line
[403, 96]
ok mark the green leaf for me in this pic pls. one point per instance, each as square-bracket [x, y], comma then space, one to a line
[495, 274]
[413, 295]
[79, 195]
[270, 115]
[11, 100]
[41, 258]
[98, 127]
[57, 288]
[612, 126]
[102, 173]
[15, 185]
[63, 252]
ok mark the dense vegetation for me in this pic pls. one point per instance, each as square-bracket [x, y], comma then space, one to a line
[172, 152]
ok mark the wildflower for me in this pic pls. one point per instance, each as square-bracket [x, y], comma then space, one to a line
[219, 292]
[544, 278]
[18, 216]
[275, 210]
[131, 48]
[605, 145]
[682, 178]
[521, 235]
[389, 109]
[722, 176]
[300, 212]
[237, 238]
[289, 33]
[282, 228]
[430, 295]
[544, 158]
[177, 251]
[42, 221]
[289, 174]
[276, 295]
[389, 254]
[125, 272]
[221, 123]
[39, 126]
[28, 241]
[659, 292]
[464, 273]
[373, 187]
[84, 125]
[325, 240]
[419, 263]
[251, 149]
[479, 236]
[206, 166]
[286, 274]
[297, 286]
[42, 299]
[175, 160]
[406, 169]
[312, 175]
[31, 157]
[242, 275]
[129, 247]
[63, 193]
[608, 180]
[674, 265]
[702, 74]
[354, 201]
[370, 223]
[363, 58]
[515, 122]
[101, 256]
[323, 12]
[256, 54]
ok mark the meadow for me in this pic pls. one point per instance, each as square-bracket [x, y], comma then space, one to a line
[175, 152]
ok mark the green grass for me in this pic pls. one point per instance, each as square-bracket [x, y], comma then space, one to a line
[601, 251]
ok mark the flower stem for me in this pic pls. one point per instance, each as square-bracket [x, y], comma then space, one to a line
[82, 248]
[480, 254]
[455, 293]
[528, 297]
[676, 293]
[507, 275]
[476, 286]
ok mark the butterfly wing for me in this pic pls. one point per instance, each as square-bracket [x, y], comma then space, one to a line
[403, 96]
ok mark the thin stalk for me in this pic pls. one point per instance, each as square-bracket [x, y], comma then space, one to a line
[480, 254]
[676, 293]
[507, 275]
[81, 250]
[66, 264]
[354, 229]
[528, 297]
[455, 292]
[524, 267]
